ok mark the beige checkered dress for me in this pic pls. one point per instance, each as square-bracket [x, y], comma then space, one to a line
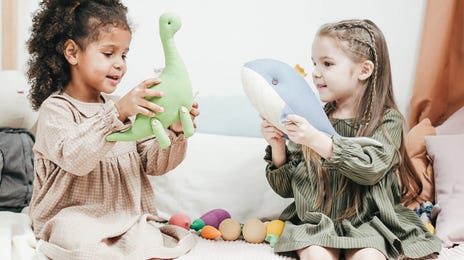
[92, 198]
[383, 222]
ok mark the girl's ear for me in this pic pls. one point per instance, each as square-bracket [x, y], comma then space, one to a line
[367, 67]
[70, 51]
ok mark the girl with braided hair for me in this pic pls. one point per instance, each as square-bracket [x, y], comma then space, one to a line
[348, 197]
[92, 199]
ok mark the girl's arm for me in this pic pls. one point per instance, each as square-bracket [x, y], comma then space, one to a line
[366, 165]
[280, 177]
[75, 144]
[157, 161]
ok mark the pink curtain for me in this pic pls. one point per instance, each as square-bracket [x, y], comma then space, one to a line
[439, 80]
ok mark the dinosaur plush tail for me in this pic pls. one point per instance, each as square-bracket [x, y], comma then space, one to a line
[126, 136]
[140, 129]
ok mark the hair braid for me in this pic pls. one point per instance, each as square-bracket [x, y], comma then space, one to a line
[366, 117]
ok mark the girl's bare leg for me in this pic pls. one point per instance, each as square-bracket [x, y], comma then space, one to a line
[364, 253]
[318, 252]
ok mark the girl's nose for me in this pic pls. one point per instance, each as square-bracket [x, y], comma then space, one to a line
[118, 65]
[316, 74]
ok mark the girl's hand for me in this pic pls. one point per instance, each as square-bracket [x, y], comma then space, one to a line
[134, 101]
[275, 139]
[272, 135]
[299, 130]
[194, 112]
[302, 132]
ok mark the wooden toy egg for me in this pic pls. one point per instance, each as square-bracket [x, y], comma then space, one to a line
[230, 229]
[254, 231]
[180, 220]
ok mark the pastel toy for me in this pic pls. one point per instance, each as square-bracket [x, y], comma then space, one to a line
[180, 220]
[276, 90]
[254, 231]
[301, 70]
[427, 223]
[230, 229]
[210, 232]
[178, 95]
[274, 229]
[212, 218]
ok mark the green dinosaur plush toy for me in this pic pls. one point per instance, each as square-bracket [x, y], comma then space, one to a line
[178, 95]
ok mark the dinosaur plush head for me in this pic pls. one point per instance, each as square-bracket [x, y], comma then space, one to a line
[169, 24]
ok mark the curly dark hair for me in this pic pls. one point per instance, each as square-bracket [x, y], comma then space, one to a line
[53, 24]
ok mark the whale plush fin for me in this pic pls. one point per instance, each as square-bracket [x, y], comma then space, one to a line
[362, 141]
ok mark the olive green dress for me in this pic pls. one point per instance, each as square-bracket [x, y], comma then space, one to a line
[382, 222]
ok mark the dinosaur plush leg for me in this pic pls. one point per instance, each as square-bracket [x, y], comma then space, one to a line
[187, 123]
[160, 133]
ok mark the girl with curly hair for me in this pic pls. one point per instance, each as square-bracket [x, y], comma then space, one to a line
[92, 198]
[348, 196]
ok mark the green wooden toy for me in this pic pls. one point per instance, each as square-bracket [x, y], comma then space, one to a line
[178, 95]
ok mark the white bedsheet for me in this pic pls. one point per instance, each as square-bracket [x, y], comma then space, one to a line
[17, 242]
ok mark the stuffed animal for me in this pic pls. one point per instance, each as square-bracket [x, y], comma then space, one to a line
[230, 229]
[276, 90]
[181, 220]
[211, 218]
[274, 229]
[254, 231]
[210, 232]
[178, 96]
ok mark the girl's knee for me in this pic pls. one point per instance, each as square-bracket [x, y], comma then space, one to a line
[318, 252]
[364, 253]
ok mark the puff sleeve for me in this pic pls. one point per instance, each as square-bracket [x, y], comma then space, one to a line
[366, 165]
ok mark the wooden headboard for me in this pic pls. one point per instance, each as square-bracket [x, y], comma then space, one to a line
[9, 35]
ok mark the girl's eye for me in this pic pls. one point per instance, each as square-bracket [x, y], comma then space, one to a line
[124, 57]
[327, 64]
[107, 54]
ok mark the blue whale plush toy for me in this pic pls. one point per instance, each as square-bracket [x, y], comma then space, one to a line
[276, 90]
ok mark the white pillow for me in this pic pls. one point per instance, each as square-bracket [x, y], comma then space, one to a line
[219, 171]
[15, 106]
[228, 115]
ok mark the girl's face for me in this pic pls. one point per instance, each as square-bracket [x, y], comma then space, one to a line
[101, 66]
[335, 75]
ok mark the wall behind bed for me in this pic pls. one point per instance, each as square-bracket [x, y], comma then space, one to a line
[217, 37]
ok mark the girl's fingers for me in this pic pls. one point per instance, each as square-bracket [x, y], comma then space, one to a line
[149, 82]
[195, 112]
[265, 123]
[145, 111]
[151, 106]
[143, 90]
[152, 93]
[292, 118]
